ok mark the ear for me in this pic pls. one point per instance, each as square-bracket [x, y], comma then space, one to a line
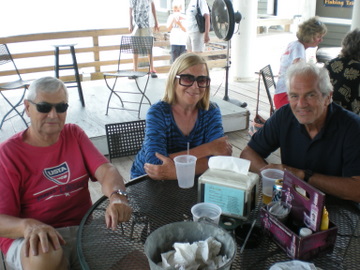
[27, 107]
[328, 99]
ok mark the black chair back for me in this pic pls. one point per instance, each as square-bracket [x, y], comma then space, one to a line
[125, 139]
[268, 79]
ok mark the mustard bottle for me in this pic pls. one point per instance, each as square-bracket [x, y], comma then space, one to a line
[324, 220]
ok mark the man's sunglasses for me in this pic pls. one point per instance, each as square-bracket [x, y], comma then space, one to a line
[188, 80]
[45, 107]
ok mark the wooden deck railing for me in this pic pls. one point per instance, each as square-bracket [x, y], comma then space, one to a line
[96, 52]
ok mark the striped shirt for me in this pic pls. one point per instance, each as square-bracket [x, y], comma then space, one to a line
[163, 136]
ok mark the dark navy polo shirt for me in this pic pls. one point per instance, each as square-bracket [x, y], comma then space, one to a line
[334, 151]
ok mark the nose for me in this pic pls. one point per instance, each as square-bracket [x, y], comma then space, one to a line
[302, 102]
[52, 113]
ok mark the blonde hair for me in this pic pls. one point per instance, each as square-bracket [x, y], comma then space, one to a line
[308, 29]
[177, 4]
[182, 63]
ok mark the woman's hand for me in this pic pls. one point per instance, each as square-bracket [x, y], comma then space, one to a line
[165, 171]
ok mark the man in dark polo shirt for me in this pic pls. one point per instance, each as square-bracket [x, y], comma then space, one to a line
[319, 140]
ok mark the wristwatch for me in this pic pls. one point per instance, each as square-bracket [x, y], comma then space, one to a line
[308, 174]
[120, 192]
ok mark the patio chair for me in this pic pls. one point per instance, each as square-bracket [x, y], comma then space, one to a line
[130, 46]
[125, 139]
[8, 64]
[268, 79]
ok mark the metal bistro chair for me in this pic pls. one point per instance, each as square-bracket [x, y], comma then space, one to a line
[125, 139]
[268, 79]
[130, 45]
[8, 64]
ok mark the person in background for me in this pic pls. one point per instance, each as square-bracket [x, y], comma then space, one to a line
[185, 117]
[140, 25]
[175, 24]
[196, 40]
[318, 139]
[345, 73]
[45, 171]
[310, 34]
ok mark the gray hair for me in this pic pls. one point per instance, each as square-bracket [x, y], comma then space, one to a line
[351, 45]
[303, 68]
[46, 85]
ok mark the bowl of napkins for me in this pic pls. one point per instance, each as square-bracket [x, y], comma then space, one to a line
[190, 246]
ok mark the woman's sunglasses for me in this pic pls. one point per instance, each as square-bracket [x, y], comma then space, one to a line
[45, 107]
[188, 80]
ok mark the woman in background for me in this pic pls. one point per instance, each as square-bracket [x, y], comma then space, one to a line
[185, 116]
[344, 72]
[310, 34]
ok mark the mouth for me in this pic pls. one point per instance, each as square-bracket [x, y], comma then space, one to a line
[192, 94]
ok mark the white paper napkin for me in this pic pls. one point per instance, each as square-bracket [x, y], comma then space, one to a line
[227, 163]
[198, 255]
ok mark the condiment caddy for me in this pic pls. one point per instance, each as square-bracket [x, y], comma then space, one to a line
[307, 211]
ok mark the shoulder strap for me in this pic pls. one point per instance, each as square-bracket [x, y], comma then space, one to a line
[258, 94]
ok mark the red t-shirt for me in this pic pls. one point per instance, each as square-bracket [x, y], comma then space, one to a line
[49, 184]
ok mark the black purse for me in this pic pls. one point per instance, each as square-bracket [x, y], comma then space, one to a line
[200, 18]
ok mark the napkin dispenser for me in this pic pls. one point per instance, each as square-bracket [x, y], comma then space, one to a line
[229, 184]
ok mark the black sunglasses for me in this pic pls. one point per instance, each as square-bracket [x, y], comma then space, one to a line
[45, 107]
[188, 80]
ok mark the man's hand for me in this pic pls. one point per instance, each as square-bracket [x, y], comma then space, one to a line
[118, 211]
[37, 233]
[221, 147]
[161, 172]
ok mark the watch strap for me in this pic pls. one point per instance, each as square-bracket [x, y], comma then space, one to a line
[120, 192]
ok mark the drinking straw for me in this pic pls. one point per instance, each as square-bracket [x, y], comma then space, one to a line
[188, 148]
[247, 236]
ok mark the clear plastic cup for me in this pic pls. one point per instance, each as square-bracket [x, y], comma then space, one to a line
[185, 170]
[268, 178]
[207, 211]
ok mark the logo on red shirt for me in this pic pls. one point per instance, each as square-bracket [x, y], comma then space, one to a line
[59, 175]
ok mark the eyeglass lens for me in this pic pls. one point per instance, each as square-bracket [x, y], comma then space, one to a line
[188, 80]
[45, 107]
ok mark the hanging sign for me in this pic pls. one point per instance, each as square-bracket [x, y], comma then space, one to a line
[339, 3]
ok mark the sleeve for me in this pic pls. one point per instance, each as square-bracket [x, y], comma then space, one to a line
[213, 123]
[351, 154]
[156, 134]
[204, 7]
[9, 183]
[298, 52]
[92, 157]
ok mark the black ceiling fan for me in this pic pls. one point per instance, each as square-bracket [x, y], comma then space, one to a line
[223, 20]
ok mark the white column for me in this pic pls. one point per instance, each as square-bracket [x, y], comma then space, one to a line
[243, 42]
[355, 23]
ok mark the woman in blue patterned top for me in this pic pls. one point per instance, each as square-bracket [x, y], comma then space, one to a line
[185, 115]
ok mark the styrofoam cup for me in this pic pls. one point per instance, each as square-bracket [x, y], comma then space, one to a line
[185, 170]
[268, 178]
[208, 211]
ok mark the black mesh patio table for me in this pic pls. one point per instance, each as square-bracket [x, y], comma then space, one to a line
[156, 203]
